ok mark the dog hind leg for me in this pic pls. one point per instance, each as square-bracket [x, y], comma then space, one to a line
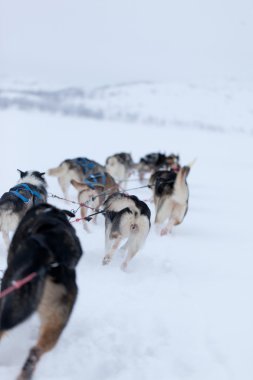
[64, 185]
[84, 215]
[168, 228]
[135, 242]
[177, 215]
[49, 335]
[115, 244]
[54, 311]
[133, 246]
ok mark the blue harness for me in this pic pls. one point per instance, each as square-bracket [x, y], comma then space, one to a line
[23, 186]
[92, 180]
[85, 164]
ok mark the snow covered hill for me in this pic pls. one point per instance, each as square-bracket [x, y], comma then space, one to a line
[222, 107]
[184, 309]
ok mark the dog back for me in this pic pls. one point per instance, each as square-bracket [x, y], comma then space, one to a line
[45, 243]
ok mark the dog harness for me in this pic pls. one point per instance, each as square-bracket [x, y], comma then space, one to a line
[23, 186]
[95, 179]
[85, 164]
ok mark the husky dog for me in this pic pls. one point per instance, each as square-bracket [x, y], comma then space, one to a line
[125, 217]
[120, 166]
[170, 197]
[77, 169]
[156, 161]
[46, 246]
[30, 190]
[94, 190]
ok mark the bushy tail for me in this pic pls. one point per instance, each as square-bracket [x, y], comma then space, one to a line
[57, 172]
[22, 302]
[116, 219]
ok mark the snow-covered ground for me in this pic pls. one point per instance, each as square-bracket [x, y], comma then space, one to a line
[219, 107]
[184, 308]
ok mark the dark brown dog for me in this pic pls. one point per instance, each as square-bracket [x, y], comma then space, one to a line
[156, 161]
[45, 244]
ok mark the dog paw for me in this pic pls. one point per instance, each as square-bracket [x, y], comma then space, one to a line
[106, 260]
[164, 232]
[123, 266]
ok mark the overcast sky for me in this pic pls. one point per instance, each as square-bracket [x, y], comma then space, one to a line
[100, 42]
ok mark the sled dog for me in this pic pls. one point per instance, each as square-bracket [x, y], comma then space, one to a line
[77, 169]
[45, 245]
[171, 196]
[30, 190]
[156, 161]
[93, 192]
[120, 166]
[125, 217]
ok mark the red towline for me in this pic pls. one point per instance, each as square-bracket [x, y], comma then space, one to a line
[18, 284]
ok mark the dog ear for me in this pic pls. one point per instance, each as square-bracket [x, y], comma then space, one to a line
[22, 174]
[41, 174]
[69, 213]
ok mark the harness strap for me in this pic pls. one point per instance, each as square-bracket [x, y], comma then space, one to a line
[84, 163]
[20, 196]
[24, 186]
[92, 180]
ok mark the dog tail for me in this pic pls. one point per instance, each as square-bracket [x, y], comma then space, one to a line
[57, 172]
[17, 306]
[116, 219]
[192, 162]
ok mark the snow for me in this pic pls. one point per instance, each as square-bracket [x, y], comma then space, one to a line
[184, 308]
[219, 107]
[92, 78]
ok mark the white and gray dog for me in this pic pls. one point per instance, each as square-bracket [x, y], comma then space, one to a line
[126, 217]
[74, 169]
[120, 166]
[29, 191]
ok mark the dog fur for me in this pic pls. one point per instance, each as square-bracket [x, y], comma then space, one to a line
[44, 243]
[98, 191]
[120, 166]
[12, 208]
[73, 169]
[157, 161]
[171, 196]
[125, 217]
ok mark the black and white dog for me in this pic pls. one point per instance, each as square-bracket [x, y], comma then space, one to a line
[120, 166]
[156, 161]
[125, 217]
[30, 190]
[46, 247]
[74, 169]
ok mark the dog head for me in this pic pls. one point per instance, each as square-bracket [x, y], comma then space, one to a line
[32, 176]
[111, 165]
[172, 162]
